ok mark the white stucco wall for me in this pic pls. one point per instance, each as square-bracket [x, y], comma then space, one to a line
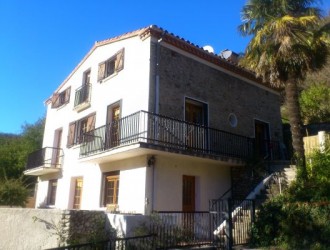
[134, 77]
[132, 183]
[211, 181]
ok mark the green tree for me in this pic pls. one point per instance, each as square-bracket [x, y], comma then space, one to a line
[14, 150]
[315, 103]
[11, 159]
[286, 43]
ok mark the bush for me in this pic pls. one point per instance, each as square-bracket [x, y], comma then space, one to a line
[292, 225]
[299, 218]
[13, 192]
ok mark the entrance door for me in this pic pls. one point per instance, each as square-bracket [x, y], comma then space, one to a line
[262, 139]
[188, 193]
[113, 126]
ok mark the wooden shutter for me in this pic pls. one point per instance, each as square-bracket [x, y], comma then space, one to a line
[67, 95]
[120, 60]
[90, 122]
[55, 100]
[101, 71]
[71, 135]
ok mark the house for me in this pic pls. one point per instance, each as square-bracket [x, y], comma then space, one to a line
[148, 121]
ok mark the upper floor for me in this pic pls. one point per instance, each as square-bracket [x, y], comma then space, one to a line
[154, 88]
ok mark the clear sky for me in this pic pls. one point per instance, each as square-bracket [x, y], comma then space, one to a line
[41, 41]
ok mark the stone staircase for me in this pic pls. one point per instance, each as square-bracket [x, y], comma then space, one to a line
[283, 176]
[280, 177]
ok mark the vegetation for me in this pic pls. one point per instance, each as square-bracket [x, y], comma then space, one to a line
[288, 40]
[13, 192]
[315, 104]
[14, 150]
[298, 219]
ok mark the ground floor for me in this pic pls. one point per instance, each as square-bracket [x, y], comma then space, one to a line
[135, 185]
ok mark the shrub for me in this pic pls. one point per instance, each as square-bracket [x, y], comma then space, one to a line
[299, 218]
[13, 192]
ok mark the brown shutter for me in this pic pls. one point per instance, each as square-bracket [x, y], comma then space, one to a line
[90, 122]
[55, 100]
[67, 95]
[120, 60]
[101, 71]
[71, 134]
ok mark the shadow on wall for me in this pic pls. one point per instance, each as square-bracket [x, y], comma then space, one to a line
[78, 226]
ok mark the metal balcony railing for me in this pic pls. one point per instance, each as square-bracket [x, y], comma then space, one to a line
[167, 133]
[47, 157]
[82, 95]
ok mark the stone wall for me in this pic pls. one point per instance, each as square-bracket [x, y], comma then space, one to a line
[181, 76]
[27, 229]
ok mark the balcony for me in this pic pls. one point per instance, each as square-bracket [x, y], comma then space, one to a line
[166, 134]
[44, 161]
[82, 97]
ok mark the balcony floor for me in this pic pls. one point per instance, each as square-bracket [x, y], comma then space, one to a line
[141, 148]
[41, 171]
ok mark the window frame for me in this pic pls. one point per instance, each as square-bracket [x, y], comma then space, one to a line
[77, 193]
[76, 130]
[115, 176]
[61, 98]
[111, 66]
[52, 190]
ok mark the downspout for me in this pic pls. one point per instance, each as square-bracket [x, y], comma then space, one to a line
[156, 110]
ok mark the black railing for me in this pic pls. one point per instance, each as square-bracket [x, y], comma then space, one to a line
[232, 221]
[169, 133]
[45, 157]
[179, 229]
[140, 242]
[82, 95]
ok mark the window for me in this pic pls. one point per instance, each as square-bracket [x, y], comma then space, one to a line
[111, 66]
[82, 96]
[111, 188]
[52, 187]
[196, 112]
[77, 193]
[78, 129]
[61, 98]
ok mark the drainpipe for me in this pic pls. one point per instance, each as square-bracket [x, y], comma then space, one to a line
[156, 110]
[157, 73]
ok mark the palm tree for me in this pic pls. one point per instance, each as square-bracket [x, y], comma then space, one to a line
[287, 42]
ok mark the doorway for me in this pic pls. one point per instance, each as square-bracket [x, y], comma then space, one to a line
[262, 139]
[197, 121]
[56, 155]
[188, 193]
[113, 125]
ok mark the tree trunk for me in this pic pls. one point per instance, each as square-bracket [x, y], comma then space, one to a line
[292, 102]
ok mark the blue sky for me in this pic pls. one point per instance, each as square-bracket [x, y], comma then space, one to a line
[42, 41]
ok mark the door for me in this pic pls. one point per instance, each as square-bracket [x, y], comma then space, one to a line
[56, 156]
[188, 193]
[188, 203]
[86, 86]
[196, 118]
[113, 126]
[262, 139]
[77, 193]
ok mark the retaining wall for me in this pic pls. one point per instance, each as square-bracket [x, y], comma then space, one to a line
[32, 229]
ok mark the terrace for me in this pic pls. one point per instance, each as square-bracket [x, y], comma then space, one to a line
[163, 133]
